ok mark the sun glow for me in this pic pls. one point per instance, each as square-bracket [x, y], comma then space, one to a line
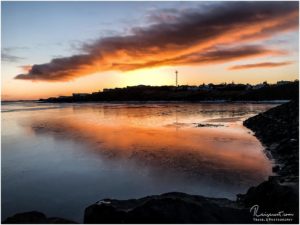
[153, 76]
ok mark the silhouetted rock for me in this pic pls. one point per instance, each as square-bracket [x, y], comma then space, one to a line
[58, 220]
[278, 130]
[167, 208]
[35, 217]
[26, 217]
[271, 196]
[209, 125]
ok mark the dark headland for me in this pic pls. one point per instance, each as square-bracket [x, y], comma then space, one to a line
[273, 201]
[282, 90]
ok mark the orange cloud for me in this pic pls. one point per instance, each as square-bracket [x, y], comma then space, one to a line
[192, 37]
[208, 57]
[260, 65]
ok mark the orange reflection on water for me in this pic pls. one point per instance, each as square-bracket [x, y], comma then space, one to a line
[222, 153]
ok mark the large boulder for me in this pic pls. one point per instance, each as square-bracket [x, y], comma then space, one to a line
[276, 124]
[167, 208]
[35, 217]
[272, 196]
[26, 217]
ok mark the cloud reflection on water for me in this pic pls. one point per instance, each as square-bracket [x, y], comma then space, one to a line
[224, 154]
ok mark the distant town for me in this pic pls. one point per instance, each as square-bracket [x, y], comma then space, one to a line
[282, 90]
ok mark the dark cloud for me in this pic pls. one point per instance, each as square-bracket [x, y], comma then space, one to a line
[8, 53]
[7, 57]
[260, 65]
[58, 69]
[189, 37]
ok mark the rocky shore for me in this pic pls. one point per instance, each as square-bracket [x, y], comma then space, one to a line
[278, 130]
[273, 201]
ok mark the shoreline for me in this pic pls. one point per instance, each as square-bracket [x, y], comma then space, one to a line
[287, 138]
[150, 102]
[275, 195]
[270, 195]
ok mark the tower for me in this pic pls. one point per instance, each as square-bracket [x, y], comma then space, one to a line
[176, 79]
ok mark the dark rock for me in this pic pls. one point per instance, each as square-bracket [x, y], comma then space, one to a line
[35, 217]
[276, 169]
[57, 220]
[103, 214]
[27, 218]
[168, 208]
[278, 130]
[272, 196]
[209, 125]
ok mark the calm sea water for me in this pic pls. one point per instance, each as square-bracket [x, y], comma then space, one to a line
[60, 158]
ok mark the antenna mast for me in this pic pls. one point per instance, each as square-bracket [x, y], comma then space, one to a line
[176, 72]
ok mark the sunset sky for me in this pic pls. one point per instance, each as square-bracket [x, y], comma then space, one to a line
[60, 48]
